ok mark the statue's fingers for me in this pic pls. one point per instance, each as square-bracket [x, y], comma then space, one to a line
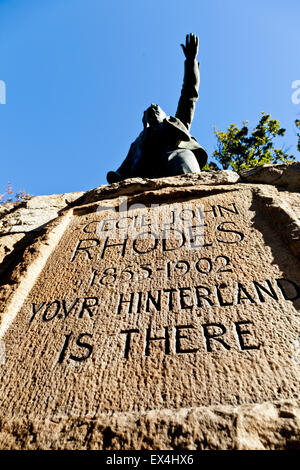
[193, 40]
[195, 43]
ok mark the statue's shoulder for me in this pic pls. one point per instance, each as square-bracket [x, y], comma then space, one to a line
[176, 123]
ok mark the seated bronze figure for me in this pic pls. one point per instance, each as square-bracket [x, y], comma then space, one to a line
[165, 147]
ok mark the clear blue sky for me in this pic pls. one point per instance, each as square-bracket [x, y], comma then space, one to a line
[79, 74]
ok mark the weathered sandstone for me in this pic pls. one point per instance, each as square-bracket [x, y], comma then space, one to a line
[153, 314]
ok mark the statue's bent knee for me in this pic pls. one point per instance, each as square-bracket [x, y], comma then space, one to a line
[182, 161]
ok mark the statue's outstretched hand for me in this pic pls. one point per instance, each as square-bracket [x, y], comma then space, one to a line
[190, 48]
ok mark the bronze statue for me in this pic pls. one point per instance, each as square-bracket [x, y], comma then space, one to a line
[165, 147]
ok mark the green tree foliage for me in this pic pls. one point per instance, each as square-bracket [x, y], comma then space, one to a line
[210, 166]
[239, 148]
[10, 195]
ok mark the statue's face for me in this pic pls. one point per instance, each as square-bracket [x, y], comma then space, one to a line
[153, 115]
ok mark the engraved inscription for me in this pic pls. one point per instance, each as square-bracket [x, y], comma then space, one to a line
[183, 304]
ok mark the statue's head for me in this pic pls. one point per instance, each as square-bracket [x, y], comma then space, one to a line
[153, 115]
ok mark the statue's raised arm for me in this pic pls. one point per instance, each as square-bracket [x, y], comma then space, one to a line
[189, 93]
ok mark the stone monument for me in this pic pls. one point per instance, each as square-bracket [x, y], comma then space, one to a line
[153, 314]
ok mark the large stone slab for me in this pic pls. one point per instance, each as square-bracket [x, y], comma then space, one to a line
[174, 297]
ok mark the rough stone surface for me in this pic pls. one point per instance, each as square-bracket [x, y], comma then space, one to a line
[34, 213]
[139, 185]
[20, 223]
[285, 175]
[266, 426]
[188, 342]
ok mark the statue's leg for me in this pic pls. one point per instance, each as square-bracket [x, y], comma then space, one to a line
[181, 161]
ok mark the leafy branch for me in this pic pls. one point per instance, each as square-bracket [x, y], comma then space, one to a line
[239, 148]
[10, 195]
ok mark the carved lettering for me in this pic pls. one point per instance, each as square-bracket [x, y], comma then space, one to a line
[216, 338]
[86, 249]
[221, 227]
[62, 309]
[210, 331]
[243, 332]
[178, 337]
[203, 297]
[164, 338]
[128, 340]
[78, 343]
